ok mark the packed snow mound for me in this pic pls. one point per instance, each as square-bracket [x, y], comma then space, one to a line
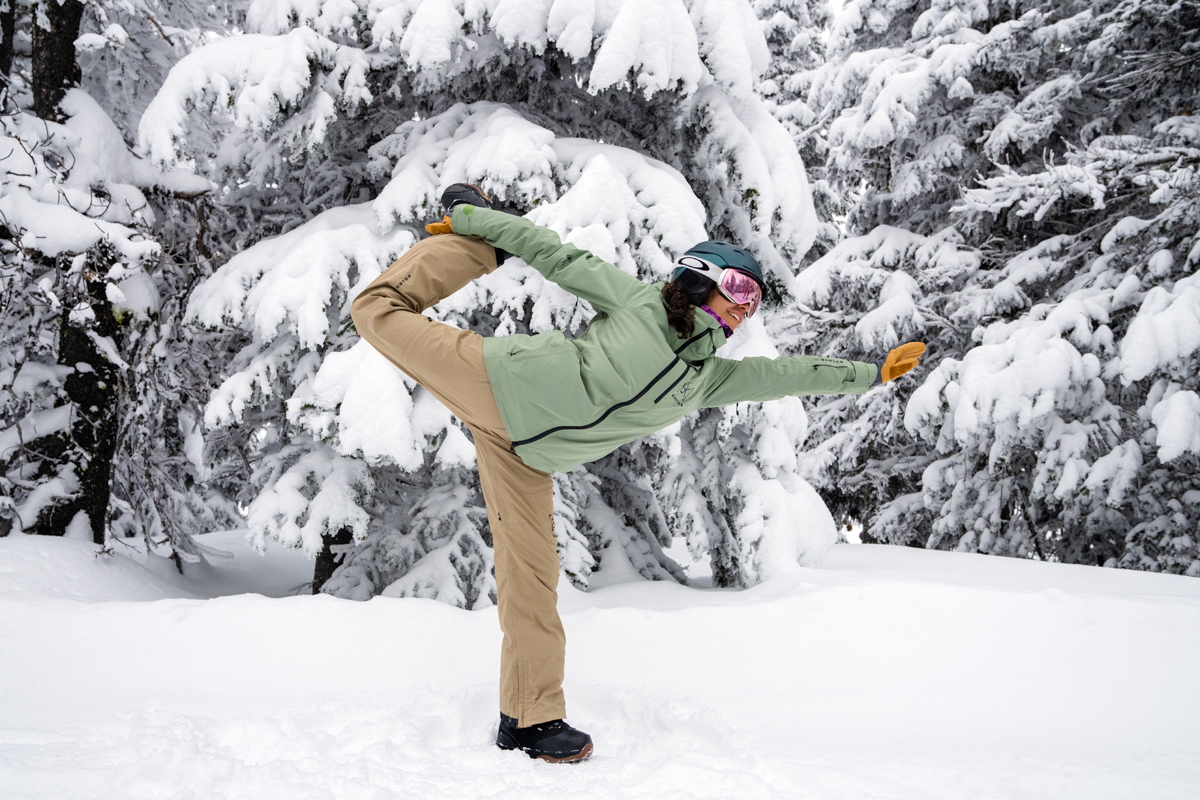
[36, 567]
[53, 568]
[894, 672]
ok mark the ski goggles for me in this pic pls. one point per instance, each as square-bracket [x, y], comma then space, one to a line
[734, 285]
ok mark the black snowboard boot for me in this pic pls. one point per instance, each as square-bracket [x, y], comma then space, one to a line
[458, 194]
[550, 741]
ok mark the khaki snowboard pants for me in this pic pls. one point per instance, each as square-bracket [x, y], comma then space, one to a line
[448, 362]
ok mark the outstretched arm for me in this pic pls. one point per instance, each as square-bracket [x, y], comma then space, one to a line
[578, 271]
[759, 379]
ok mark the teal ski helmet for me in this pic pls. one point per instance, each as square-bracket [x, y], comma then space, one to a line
[726, 256]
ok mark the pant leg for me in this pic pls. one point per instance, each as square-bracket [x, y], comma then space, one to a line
[448, 362]
[520, 505]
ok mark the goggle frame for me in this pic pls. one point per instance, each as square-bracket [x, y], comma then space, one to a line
[707, 269]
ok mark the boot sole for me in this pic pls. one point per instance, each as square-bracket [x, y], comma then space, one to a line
[582, 755]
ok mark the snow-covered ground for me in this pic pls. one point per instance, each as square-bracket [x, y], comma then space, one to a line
[889, 673]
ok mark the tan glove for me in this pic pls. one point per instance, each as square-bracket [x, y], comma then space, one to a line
[901, 360]
[435, 228]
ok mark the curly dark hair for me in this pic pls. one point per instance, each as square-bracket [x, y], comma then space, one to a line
[681, 297]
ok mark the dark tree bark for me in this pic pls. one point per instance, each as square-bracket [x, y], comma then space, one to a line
[8, 21]
[94, 391]
[327, 560]
[54, 67]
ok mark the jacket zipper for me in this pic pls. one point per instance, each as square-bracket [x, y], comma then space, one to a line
[620, 405]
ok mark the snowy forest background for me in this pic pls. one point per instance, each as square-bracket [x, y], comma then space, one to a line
[194, 192]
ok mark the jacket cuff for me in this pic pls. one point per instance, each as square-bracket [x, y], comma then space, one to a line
[866, 375]
[460, 219]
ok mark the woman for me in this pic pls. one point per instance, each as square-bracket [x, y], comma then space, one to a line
[536, 404]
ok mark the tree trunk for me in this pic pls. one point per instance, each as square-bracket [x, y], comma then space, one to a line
[327, 560]
[94, 391]
[54, 67]
[8, 20]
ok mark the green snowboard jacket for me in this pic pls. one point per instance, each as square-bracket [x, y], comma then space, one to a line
[566, 401]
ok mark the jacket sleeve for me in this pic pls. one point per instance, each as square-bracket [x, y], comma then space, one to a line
[578, 271]
[759, 379]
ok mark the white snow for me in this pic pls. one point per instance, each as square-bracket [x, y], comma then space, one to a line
[287, 281]
[286, 512]
[1165, 330]
[33, 426]
[657, 41]
[1178, 421]
[251, 79]
[892, 672]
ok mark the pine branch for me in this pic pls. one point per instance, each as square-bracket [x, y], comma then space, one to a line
[1150, 71]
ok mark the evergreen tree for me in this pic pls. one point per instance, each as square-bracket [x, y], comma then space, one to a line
[334, 131]
[98, 384]
[796, 32]
[1035, 279]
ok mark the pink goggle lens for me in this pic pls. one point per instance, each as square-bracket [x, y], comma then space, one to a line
[738, 287]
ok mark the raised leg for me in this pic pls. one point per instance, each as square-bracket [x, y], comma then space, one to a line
[445, 360]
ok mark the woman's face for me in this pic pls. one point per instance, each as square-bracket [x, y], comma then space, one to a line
[732, 313]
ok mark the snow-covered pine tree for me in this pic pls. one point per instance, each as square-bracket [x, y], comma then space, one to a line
[796, 32]
[1103, 296]
[125, 50]
[1065, 168]
[96, 432]
[335, 127]
[890, 107]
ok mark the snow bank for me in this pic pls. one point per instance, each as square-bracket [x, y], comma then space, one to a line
[894, 673]
[45, 567]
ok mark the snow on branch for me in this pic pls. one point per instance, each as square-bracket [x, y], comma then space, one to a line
[253, 80]
[289, 282]
[662, 44]
[1036, 194]
[889, 271]
[754, 160]
[1165, 332]
[326, 17]
[317, 495]
[518, 162]
[654, 40]
[70, 186]
[1033, 119]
